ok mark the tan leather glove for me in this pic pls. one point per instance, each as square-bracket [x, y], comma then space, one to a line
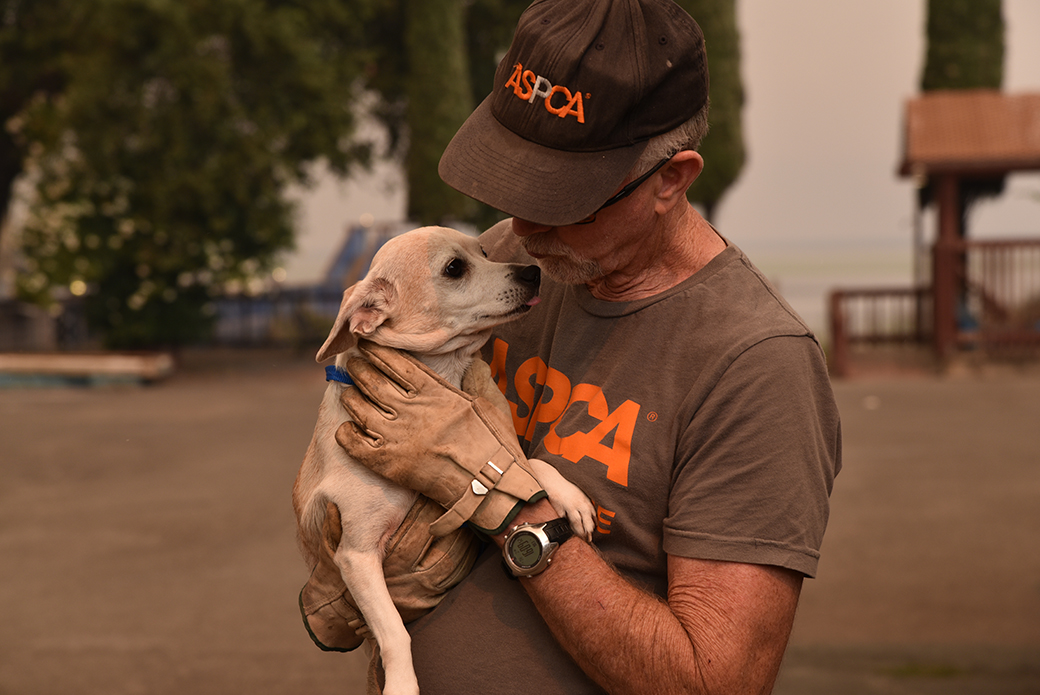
[418, 570]
[411, 426]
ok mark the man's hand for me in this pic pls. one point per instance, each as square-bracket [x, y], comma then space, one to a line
[412, 427]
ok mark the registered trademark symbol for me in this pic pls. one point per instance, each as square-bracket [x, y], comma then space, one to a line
[651, 416]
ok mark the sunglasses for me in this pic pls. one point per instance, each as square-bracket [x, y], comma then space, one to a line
[626, 191]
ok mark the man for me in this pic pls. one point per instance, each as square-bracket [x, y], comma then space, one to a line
[661, 373]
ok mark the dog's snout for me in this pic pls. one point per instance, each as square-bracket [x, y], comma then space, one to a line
[530, 275]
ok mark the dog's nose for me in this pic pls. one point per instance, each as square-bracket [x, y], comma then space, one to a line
[530, 275]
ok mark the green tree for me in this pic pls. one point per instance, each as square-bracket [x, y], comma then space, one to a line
[160, 141]
[965, 45]
[489, 31]
[30, 47]
[723, 147]
[427, 54]
[439, 100]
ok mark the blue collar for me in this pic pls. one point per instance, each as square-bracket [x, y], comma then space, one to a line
[334, 373]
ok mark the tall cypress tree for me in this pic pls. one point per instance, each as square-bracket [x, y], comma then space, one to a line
[723, 148]
[439, 100]
[965, 45]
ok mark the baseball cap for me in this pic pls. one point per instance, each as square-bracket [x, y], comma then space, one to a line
[583, 87]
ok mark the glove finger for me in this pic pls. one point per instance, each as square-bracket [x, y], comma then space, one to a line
[364, 417]
[374, 391]
[358, 442]
[408, 373]
[394, 365]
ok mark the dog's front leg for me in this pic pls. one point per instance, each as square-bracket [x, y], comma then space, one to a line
[566, 498]
[363, 575]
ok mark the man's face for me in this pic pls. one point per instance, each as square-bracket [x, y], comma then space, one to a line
[558, 260]
[584, 253]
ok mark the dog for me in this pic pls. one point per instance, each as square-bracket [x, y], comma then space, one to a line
[433, 293]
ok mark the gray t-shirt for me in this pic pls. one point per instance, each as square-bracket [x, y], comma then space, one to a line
[700, 421]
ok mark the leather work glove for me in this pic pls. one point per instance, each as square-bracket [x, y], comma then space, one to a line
[411, 426]
[418, 570]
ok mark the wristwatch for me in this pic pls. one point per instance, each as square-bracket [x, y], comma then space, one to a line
[528, 548]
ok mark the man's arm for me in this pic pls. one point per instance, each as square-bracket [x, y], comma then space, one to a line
[723, 629]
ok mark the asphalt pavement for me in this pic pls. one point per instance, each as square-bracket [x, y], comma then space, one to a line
[147, 540]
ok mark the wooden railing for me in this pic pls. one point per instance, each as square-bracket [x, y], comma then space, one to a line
[998, 298]
[986, 295]
[877, 316]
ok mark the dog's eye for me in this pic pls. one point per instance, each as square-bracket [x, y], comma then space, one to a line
[456, 268]
[483, 251]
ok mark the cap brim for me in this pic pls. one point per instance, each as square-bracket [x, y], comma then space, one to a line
[487, 161]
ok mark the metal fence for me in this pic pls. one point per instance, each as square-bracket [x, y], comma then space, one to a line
[284, 318]
[291, 317]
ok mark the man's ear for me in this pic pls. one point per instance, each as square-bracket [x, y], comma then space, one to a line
[676, 177]
[364, 308]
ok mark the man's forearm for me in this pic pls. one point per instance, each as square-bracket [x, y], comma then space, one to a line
[631, 641]
[625, 639]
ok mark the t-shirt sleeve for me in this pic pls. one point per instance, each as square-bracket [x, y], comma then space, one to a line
[755, 468]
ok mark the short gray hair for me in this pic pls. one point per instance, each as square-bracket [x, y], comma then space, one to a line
[687, 136]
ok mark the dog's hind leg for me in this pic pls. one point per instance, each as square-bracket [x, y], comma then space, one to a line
[363, 575]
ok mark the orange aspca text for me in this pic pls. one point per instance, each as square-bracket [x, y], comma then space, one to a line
[621, 422]
[528, 86]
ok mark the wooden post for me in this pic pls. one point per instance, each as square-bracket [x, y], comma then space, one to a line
[839, 336]
[944, 267]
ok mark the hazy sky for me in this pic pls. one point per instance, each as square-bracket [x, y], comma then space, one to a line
[826, 85]
[819, 202]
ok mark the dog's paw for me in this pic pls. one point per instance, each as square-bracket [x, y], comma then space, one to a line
[566, 498]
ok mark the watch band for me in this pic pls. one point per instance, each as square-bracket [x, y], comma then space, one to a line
[558, 530]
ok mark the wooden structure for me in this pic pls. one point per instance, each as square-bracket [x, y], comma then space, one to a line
[981, 292]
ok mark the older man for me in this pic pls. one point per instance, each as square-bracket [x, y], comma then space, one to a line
[661, 373]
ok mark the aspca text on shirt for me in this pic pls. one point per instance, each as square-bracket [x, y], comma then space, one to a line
[607, 442]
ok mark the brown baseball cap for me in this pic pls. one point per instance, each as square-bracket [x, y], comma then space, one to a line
[582, 89]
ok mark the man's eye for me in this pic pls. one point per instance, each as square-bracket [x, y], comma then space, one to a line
[455, 268]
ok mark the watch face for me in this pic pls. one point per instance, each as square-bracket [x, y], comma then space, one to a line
[525, 549]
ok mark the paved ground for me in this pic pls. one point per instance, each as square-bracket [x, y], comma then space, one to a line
[146, 539]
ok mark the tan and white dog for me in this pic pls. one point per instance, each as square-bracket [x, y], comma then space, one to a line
[433, 293]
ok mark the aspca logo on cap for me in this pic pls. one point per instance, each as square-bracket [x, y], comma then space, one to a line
[558, 99]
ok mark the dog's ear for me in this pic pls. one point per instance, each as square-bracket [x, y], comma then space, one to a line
[340, 339]
[363, 309]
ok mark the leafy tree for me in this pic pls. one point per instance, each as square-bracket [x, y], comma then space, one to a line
[29, 48]
[427, 54]
[160, 139]
[489, 31]
[439, 100]
[965, 45]
[723, 147]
